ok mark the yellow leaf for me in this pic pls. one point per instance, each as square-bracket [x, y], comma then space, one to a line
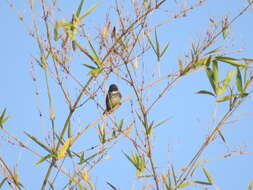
[85, 175]
[63, 150]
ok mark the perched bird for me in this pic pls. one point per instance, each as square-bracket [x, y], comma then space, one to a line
[113, 97]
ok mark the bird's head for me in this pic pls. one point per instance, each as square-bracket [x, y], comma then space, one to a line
[113, 87]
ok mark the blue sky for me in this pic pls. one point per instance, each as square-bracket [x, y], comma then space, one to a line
[190, 114]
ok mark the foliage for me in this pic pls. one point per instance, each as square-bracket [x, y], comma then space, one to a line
[115, 52]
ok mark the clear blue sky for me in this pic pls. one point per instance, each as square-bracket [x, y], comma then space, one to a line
[176, 141]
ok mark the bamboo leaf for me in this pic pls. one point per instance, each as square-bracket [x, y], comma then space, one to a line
[202, 182]
[185, 184]
[214, 51]
[2, 182]
[161, 122]
[131, 160]
[85, 175]
[226, 82]
[165, 49]
[239, 81]
[248, 82]
[209, 73]
[151, 126]
[157, 46]
[92, 156]
[79, 8]
[89, 10]
[222, 136]
[151, 43]
[231, 61]
[225, 98]
[89, 66]
[63, 149]
[120, 125]
[166, 183]
[95, 72]
[95, 56]
[205, 92]
[250, 185]
[38, 142]
[3, 119]
[208, 176]
[44, 158]
[215, 74]
[56, 35]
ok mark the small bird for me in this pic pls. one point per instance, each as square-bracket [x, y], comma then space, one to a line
[113, 97]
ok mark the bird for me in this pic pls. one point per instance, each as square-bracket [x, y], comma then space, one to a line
[113, 98]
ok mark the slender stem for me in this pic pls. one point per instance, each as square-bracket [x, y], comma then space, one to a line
[210, 138]
[72, 110]
[150, 153]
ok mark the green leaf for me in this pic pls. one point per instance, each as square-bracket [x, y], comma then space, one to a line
[151, 43]
[205, 92]
[137, 161]
[226, 82]
[250, 185]
[81, 158]
[149, 130]
[38, 142]
[185, 184]
[95, 72]
[44, 158]
[56, 35]
[222, 136]
[131, 160]
[89, 10]
[157, 46]
[225, 98]
[209, 73]
[248, 82]
[239, 81]
[139, 117]
[213, 51]
[3, 119]
[79, 8]
[202, 61]
[215, 74]
[89, 66]
[202, 182]
[92, 156]
[231, 61]
[161, 122]
[120, 125]
[166, 183]
[164, 49]
[2, 182]
[70, 28]
[208, 176]
[96, 59]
